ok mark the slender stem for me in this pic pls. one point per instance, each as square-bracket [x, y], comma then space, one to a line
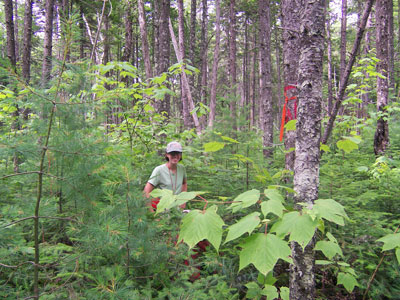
[384, 254]
[205, 206]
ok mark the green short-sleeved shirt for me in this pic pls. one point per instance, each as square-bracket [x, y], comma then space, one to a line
[163, 178]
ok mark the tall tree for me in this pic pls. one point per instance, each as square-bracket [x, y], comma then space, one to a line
[213, 92]
[145, 42]
[329, 56]
[203, 53]
[27, 42]
[391, 49]
[192, 34]
[381, 140]
[48, 42]
[9, 16]
[343, 38]
[128, 47]
[290, 10]
[266, 111]
[232, 60]
[306, 168]
[164, 39]
[181, 40]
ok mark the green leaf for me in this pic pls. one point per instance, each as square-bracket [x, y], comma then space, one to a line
[330, 210]
[185, 197]
[330, 249]
[246, 224]
[324, 148]
[226, 138]
[355, 138]
[362, 169]
[398, 254]
[270, 291]
[301, 227]
[347, 280]
[284, 293]
[253, 290]
[245, 199]
[390, 241]
[268, 279]
[291, 125]
[198, 225]
[263, 251]
[323, 262]
[274, 194]
[272, 206]
[213, 146]
[160, 79]
[347, 145]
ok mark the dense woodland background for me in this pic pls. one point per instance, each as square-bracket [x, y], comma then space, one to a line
[92, 91]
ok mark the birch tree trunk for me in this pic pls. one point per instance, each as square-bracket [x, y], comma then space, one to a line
[213, 96]
[381, 139]
[290, 22]
[48, 42]
[266, 111]
[330, 63]
[306, 167]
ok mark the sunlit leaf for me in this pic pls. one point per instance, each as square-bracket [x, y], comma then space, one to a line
[263, 251]
[272, 206]
[270, 291]
[330, 249]
[390, 241]
[213, 146]
[330, 210]
[245, 199]
[347, 280]
[198, 225]
[246, 224]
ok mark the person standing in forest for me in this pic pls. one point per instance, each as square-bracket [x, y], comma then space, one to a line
[171, 175]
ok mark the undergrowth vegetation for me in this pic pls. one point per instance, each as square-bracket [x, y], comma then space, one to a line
[97, 240]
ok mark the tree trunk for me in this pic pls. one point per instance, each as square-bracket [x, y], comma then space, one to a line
[232, 61]
[381, 140]
[266, 111]
[145, 43]
[343, 39]
[213, 96]
[127, 54]
[48, 42]
[203, 55]
[181, 41]
[306, 168]
[185, 80]
[192, 34]
[290, 22]
[165, 52]
[82, 32]
[9, 18]
[253, 81]
[391, 51]
[27, 43]
[16, 32]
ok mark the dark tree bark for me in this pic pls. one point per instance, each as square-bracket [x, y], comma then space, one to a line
[27, 43]
[203, 76]
[145, 42]
[232, 60]
[192, 38]
[128, 47]
[213, 96]
[9, 17]
[164, 39]
[48, 42]
[344, 80]
[16, 32]
[381, 140]
[266, 111]
[306, 168]
[254, 55]
[290, 21]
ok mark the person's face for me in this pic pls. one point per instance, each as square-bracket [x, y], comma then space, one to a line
[174, 157]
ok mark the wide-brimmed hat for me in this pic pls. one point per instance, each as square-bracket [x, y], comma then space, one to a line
[173, 147]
